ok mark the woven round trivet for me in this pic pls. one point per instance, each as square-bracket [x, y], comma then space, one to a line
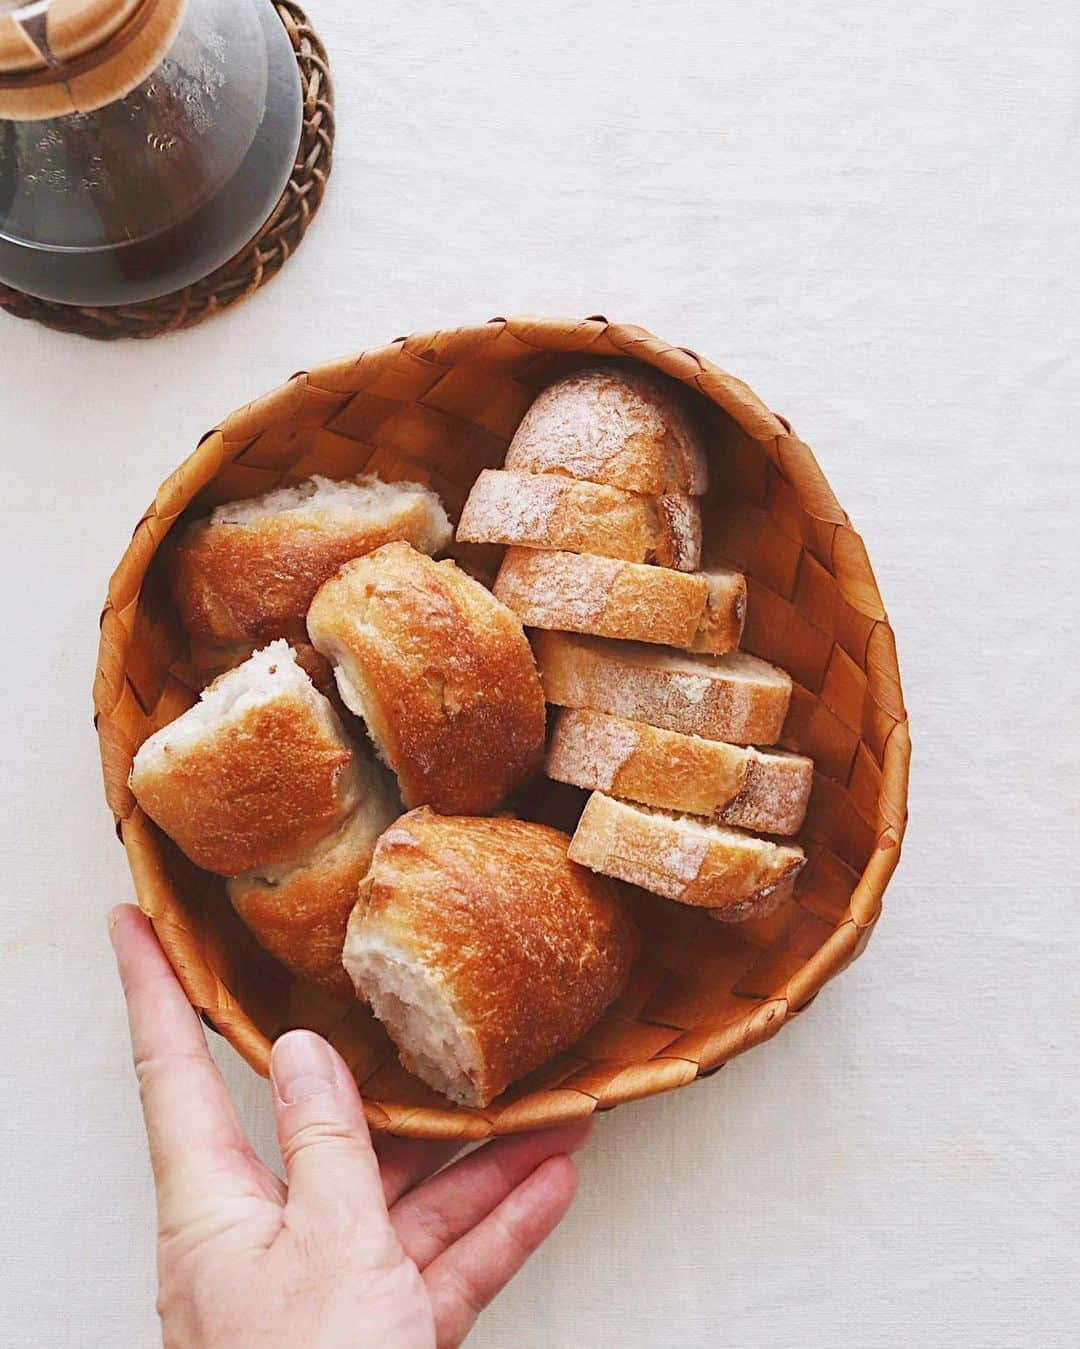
[260, 259]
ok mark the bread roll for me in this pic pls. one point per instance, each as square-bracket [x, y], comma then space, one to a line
[746, 787]
[699, 611]
[733, 874]
[439, 670]
[299, 912]
[250, 572]
[538, 510]
[482, 949]
[622, 425]
[255, 773]
[734, 697]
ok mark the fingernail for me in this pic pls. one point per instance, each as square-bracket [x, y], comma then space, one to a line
[301, 1066]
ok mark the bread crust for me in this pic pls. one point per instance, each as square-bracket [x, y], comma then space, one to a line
[529, 947]
[577, 592]
[732, 784]
[624, 426]
[735, 697]
[248, 582]
[729, 872]
[300, 916]
[258, 789]
[440, 670]
[548, 510]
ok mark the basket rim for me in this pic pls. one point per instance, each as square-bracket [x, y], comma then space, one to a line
[698, 1053]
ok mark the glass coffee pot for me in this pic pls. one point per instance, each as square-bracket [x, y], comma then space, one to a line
[142, 142]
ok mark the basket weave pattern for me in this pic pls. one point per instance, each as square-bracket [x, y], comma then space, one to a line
[259, 260]
[438, 407]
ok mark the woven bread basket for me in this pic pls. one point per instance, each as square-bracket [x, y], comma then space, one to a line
[438, 407]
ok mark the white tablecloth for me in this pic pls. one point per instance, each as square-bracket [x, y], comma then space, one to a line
[871, 214]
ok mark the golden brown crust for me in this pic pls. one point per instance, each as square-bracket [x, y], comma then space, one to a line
[259, 789]
[530, 947]
[732, 784]
[547, 510]
[573, 592]
[621, 425]
[444, 673]
[248, 582]
[734, 697]
[707, 866]
[301, 916]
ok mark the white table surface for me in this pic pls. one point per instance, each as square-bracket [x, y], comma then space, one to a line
[871, 214]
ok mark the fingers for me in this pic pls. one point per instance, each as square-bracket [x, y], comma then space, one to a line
[463, 1281]
[330, 1165]
[405, 1162]
[196, 1143]
[434, 1216]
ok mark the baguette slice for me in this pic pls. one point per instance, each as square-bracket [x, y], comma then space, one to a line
[255, 774]
[251, 570]
[577, 592]
[622, 425]
[441, 673]
[299, 911]
[483, 949]
[733, 874]
[547, 510]
[745, 787]
[735, 697]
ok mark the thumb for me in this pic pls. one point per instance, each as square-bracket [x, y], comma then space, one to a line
[331, 1169]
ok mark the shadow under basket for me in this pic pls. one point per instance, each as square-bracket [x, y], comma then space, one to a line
[437, 408]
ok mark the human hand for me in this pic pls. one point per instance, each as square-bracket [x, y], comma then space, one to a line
[363, 1246]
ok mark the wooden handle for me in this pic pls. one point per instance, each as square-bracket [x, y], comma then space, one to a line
[93, 53]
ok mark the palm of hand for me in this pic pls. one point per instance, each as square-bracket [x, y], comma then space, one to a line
[367, 1245]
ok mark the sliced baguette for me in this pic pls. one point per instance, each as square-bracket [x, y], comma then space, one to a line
[299, 911]
[733, 874]
[482, 949]
[577, 592]
[547, 510]
[736, 697]
[251, 571]
[622, 425]
[441, 673]
[255, 773]
[746, 787]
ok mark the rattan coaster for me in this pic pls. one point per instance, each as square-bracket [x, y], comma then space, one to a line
[259, 260]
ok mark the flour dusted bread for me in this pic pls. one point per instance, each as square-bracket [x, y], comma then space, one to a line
[572, 592]
[621, 425]
[483, 949]
[732, 784]
[733, 874]
[441, 673]
[735, 697]
[255, 773]
[252, 569]
[298, 911]
[539, 510]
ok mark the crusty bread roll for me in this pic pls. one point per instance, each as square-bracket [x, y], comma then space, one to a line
[626, 426]
[576, 592]
[251, 570]
[255, 773]
[482, 949]
[734, 697]
[733, 874]
[548, 510]
[299, 911]
[746, 787]
[439, 670]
